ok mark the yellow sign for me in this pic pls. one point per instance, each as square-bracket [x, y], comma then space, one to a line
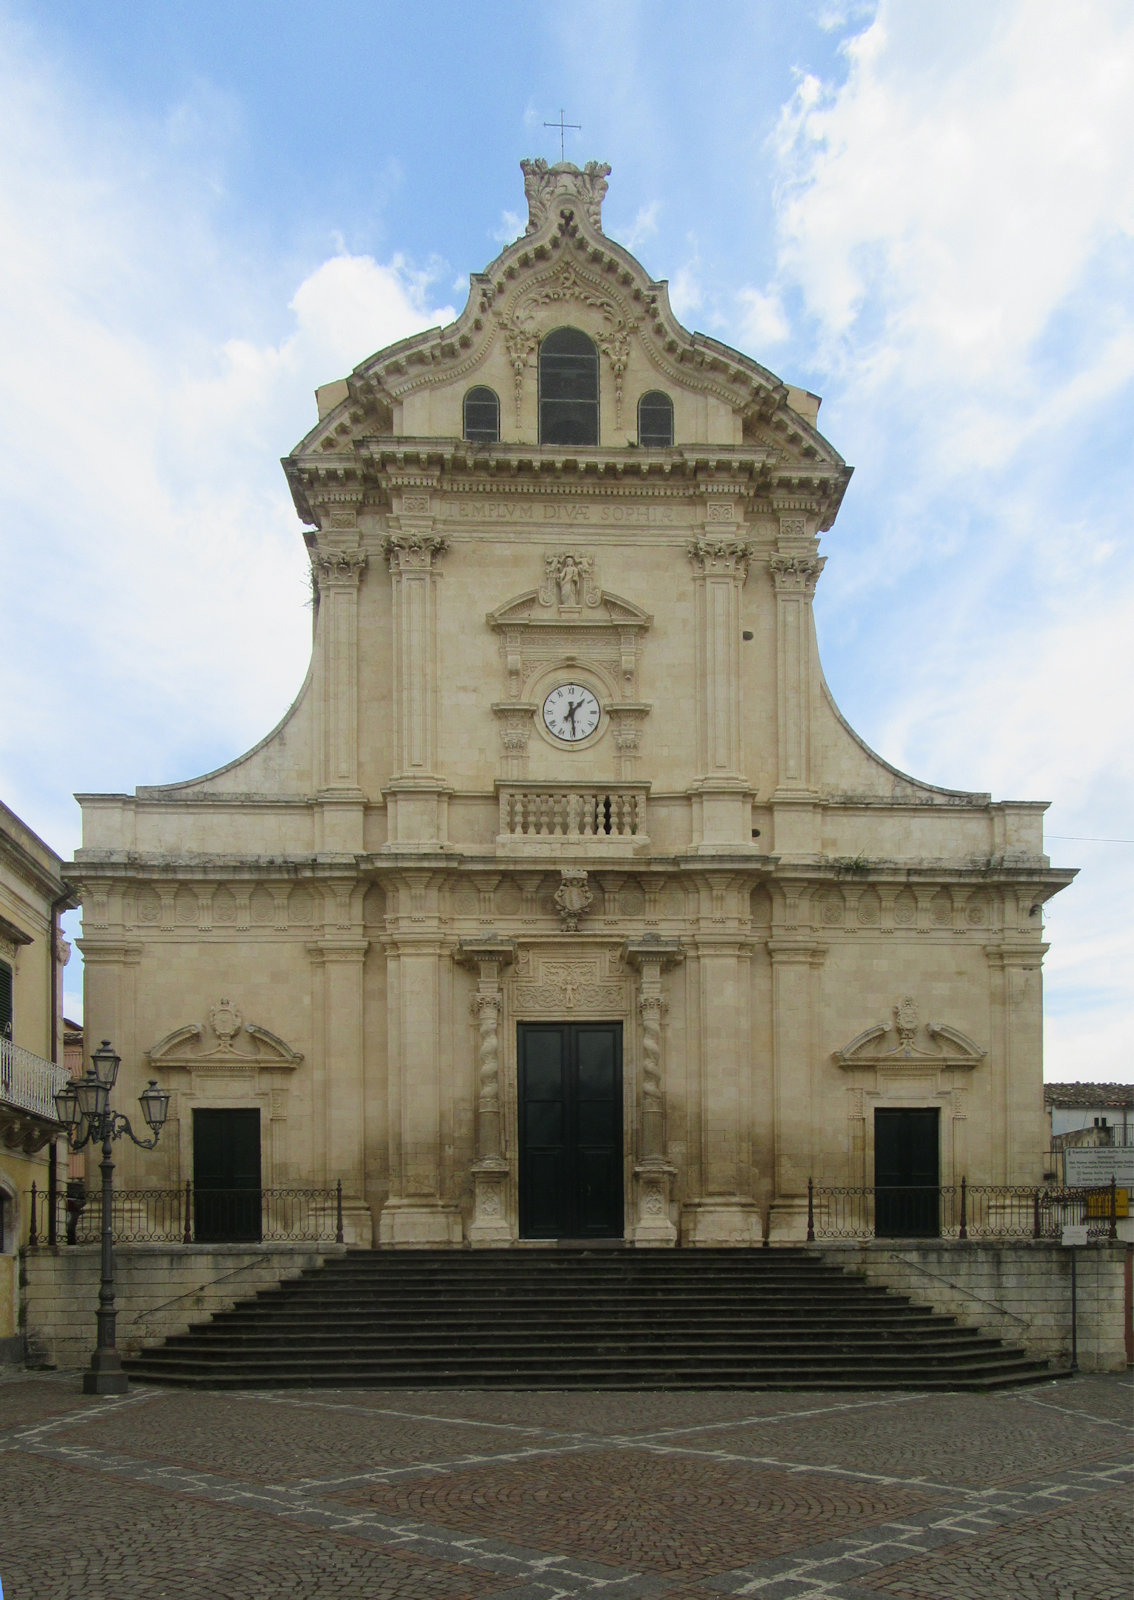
[1098, 1203]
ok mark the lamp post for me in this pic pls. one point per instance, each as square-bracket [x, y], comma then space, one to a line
[83, 1107]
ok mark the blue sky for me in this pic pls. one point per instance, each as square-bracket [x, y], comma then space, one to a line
[925, 214]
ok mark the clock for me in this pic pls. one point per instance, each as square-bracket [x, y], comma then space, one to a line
[570, 713]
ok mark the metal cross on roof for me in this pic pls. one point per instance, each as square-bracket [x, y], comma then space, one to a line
[563, 126]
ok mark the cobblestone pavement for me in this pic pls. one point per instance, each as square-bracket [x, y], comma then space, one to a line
[451, 1495]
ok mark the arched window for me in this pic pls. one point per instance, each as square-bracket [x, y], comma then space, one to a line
[568, 388]
[482, 415]
[655, 419]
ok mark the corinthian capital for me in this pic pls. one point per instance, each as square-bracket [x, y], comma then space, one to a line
[796, 574]
[343, 567]
[723, 557]
[414, 552]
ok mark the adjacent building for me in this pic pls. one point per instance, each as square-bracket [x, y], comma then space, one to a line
[564, 903]
[32, 957]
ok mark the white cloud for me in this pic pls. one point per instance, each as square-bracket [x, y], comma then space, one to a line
[763, 321]
[956, 219]
[511, 227]
[643, 227]
[154, 372]
[686, 291]
[964, 175]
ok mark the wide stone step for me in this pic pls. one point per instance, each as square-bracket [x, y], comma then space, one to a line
[583, 1319]
[593, 1373]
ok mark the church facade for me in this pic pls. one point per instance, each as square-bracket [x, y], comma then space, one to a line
[563, 903]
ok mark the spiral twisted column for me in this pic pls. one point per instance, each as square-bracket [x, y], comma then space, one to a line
[653, 1173]
[491, 1224]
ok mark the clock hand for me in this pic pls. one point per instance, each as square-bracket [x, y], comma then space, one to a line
[572, 707]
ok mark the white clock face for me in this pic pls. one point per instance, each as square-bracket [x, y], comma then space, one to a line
[570, 713]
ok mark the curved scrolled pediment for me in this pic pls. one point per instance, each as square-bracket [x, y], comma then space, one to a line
[563, 271]
[227, 1044]
[907, 1042]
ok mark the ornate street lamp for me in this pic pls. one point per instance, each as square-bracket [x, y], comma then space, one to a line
[83, 1107]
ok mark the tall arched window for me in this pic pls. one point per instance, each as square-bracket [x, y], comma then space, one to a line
[655, 419]
[482, 415]
[568, 388]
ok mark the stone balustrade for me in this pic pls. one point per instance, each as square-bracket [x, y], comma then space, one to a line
[29, 1082]
[577, 818]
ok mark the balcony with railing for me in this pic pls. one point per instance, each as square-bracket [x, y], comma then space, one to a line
[568, 819]
[28, 1085]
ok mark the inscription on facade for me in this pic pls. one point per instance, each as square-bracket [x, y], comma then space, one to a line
[607, 513]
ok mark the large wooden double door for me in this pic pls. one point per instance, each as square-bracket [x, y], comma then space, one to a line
[570, 1105]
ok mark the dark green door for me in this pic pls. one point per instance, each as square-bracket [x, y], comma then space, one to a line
[226, 1176]
[570, 1130]
[907, 1194]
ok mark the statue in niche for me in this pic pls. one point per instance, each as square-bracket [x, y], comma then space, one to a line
[569, 578]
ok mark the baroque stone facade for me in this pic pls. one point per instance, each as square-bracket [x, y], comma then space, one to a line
[565, 793]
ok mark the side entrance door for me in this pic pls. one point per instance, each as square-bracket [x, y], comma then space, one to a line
[570, 1095]
[226, 1176]
[907, 1176]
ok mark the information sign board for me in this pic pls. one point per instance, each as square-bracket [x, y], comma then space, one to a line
[1093, 1168]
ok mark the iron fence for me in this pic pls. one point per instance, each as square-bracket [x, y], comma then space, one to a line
[188, 1214]
[959, 1211]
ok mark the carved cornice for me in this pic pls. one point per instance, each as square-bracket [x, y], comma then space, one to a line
[24, 1132]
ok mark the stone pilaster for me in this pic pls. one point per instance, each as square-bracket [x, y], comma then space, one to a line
[795, 570]
[337, 970]
[724, 1211]
[795, 964]
[419, 1019]
[1017, 1137]
[720, 568]
[416, 797]
[490, 1222]
[653, 1173]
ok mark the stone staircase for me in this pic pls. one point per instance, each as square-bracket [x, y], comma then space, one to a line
[583, 1318]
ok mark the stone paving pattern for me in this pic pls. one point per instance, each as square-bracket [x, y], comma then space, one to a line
[452, 1495]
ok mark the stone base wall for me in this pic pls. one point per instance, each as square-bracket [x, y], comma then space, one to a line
[1019, 1292]
[160, 1290]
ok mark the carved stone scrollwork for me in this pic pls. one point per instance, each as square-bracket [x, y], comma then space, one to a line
[413, 552]
[796, 574]
[490, 1224]
[615, 346]
[520, 342]
[338, 566]
[573, 898]
[545, 185]
[721, 556]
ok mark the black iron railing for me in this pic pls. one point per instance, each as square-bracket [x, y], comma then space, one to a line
[189, 1215]
[959, 1211]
